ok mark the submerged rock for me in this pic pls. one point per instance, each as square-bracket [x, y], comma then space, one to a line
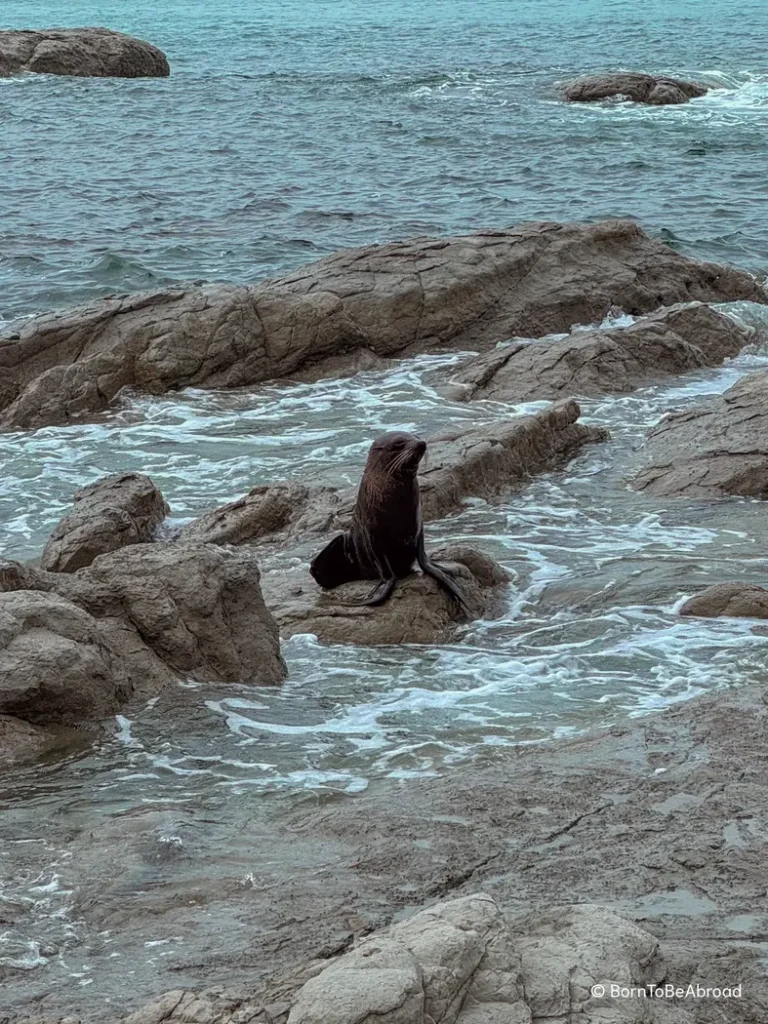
[481, 462]
[19, 740]
[656, 90]
[597, 362]
[112, 513]
[473, 291]
[717, 447]
[74, 647]
[419, 611]
[744, 600]
[82, 52]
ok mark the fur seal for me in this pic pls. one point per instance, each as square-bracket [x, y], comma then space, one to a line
[387, 534]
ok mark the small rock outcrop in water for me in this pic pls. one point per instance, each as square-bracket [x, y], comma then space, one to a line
[80, 52]
[112, 513]
[718, 447]
[482, 462]
[656, 90]
[458, 963]
[743, 600]
[75, 646]
[597, 362]
[474, 291]
[419, 611]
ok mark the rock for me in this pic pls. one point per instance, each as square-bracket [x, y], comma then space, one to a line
[458, 963]
[76, 646]
[55, 665]
[469, 292]
[421, 970]
[745, 600]
[483, 462]
[567, 950]
[199, 609]
[494, 458]
[419, 611]
[657, 90]
[83, 52]
[193, 1008]
[597, 362]
[19, 741]
[717, 447]
[264, 511]
[109, 514]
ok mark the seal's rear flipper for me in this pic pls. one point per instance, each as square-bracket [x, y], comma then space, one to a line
[335, 564]
[442, 577]
[381, 593]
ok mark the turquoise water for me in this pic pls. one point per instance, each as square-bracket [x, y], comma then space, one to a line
[290, 129]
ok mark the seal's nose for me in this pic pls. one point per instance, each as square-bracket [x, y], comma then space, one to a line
[420, 447]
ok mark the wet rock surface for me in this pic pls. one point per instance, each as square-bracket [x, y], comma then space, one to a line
[419, 611]
[655, 90]
[76, 646]
[83, 52]
[412, 296]
[652, 833]
[729, 599]
[718, 447]
[592, 362]
[19, 740]
[113, 512]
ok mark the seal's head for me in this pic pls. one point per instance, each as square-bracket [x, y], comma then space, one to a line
[396, 455]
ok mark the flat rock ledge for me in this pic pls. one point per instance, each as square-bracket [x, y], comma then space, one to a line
[729, 600]
[458, 962]
[75, 647]
[483, 462]
[80, 52]
[718, 447]
[403, 297]
[616, 360]
[655, 90]
[110, 514]
[419, 611]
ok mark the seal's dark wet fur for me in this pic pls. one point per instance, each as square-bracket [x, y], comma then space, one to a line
[386, 536]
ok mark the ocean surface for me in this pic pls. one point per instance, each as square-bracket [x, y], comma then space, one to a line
[288, 130]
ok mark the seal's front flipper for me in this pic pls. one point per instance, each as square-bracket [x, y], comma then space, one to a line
[442, 577]
[336, 564]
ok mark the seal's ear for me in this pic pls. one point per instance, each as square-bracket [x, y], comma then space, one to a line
[335, 564]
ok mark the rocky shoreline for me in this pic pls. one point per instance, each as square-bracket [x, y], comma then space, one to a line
[645, 837]
[122, 609]
[422, 295]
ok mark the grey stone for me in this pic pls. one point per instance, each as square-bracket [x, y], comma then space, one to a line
[113, 512]
[82, 52]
